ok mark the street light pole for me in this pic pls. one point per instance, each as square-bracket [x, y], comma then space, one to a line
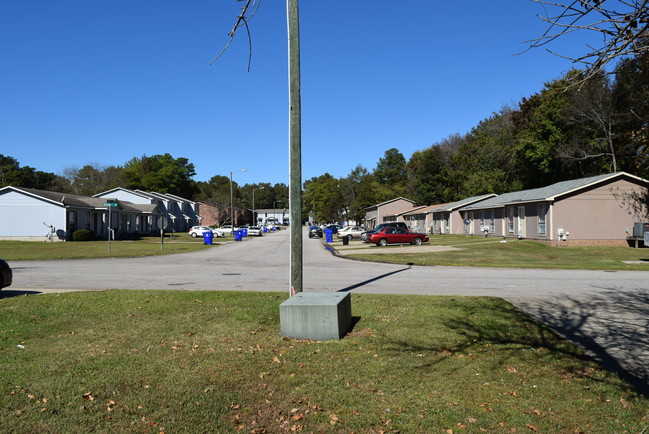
[232, 198]
[254, 220]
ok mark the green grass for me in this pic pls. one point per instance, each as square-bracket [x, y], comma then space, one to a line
[145, 246]
[481, 252]
[176, 361]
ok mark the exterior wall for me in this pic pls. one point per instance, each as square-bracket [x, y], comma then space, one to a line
[392, 208]
[416, 222]
[213, 215]
[370, 218]
[23, 217]
[457, 224]
[602, 213]
[126, 196]
[447, 222]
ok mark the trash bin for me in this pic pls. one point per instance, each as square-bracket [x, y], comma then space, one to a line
[265, 229]
[245, 232]
[346, 240]
[329, 235]
[207, 237]
[238, 235]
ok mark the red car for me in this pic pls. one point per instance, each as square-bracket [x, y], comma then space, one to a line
[397, 235]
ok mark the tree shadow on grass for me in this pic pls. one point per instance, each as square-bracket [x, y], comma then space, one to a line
[612, 327]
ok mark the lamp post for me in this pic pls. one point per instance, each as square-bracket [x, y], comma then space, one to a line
[232, 198]
[254, 219]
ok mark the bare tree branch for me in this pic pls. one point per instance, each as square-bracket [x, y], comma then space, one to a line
[247, 12]
[623, 25]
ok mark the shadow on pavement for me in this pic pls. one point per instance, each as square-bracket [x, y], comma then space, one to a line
[15, 293]
[374, 279]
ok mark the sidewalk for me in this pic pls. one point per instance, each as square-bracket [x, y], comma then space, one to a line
[370, 249]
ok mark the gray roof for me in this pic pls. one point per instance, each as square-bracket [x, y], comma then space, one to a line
[460, 203]
[390, 201]
[65, 199]
[76, 201]
[548, 193]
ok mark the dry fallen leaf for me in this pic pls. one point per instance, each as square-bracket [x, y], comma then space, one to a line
[276, 360]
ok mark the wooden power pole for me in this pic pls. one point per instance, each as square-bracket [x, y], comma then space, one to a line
[295, 145]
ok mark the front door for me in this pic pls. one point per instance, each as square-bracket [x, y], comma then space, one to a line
[521, 221]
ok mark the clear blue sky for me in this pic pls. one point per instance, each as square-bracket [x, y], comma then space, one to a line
[105, 81]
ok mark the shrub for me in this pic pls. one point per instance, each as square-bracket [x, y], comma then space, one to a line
[83, 235]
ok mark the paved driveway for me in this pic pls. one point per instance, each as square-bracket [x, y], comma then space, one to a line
[606, 312]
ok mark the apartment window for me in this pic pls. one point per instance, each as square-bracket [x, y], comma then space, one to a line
[542, 209]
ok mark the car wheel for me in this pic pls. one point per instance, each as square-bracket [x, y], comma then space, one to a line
[194, 235]
[382, 242]
[418, 241]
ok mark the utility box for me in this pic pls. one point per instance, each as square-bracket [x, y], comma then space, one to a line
[639, 229]
[319, 316]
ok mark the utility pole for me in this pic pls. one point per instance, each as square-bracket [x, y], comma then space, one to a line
[295, 146]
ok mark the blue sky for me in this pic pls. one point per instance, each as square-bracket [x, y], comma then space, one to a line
[85, 82]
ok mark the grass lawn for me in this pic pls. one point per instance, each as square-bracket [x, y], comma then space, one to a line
[177, 361]
[144, 246]
[481, 252]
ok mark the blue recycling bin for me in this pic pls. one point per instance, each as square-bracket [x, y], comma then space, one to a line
[245, 232]
[329, 235]
[207, 237]
[238, 235]
[265, 229]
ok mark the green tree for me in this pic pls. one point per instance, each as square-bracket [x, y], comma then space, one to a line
[390, 172]
[487, 157]
[541, 130]
[93, 179]
[323, 199]
[163, 174]
[12, 174]
[631, 102]
[358, 192]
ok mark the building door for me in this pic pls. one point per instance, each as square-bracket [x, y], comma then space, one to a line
[521, 221]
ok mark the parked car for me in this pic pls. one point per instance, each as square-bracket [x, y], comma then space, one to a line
[6, 275]
[333, 228]
[217, 232]
[198, 231]
[351, 232]
[255, 231]
[397, 235]
[315, 232]
[366, 235]
[226, 229]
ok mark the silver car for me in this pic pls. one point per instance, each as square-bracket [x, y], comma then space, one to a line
[353, 232]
